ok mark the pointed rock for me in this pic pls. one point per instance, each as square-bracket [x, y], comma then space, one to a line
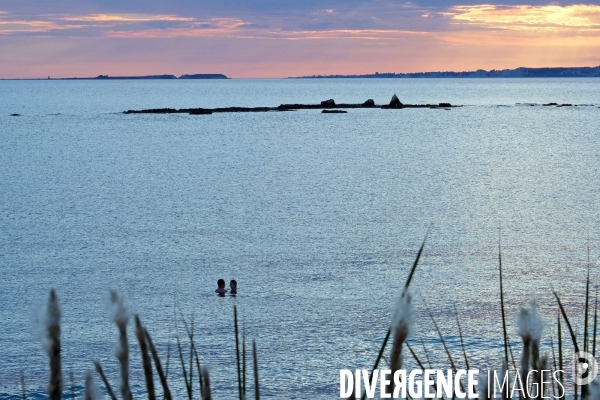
[395, 102]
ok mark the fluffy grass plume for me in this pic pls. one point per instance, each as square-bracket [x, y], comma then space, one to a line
[402, 325]
[530, 327]
[120, 316]
[55, 386]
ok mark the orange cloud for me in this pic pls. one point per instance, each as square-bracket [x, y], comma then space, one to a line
[238, 30]
[578, 17]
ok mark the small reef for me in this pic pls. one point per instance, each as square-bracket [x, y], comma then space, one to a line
[327, 106]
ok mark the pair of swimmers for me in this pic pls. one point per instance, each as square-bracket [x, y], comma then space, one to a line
[232, 287]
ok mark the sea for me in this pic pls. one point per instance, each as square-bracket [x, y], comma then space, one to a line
[319, 218]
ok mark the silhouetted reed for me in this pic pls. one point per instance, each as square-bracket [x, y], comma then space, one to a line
[100, 371]
[146, 363]
[91, 389]
[55, 386]
[529, 328]
[120, 316]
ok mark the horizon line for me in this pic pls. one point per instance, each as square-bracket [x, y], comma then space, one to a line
[223, 76]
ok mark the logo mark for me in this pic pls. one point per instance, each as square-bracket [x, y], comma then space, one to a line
[585, 368]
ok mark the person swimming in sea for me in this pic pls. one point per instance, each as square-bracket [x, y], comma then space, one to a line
[221, 289]
[233, 286]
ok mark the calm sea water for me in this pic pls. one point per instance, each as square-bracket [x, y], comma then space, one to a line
[318, 217]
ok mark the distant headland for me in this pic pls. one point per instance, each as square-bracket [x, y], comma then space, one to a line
[193, 76]
[522, 72]
[107, 77]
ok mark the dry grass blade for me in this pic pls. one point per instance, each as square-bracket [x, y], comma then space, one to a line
[573, 337]
[445, 346]
[100, 371]
[462, 343]
[72, 383]
[415, 356]
[158, 366]
[564, 314]
[587, 304]
[190, 333]
[555, 367]
[255, 362]
[199, 370]
[584, 388]
[184, 371]
[415, 263]
[426, 353]
[421, 365]
[237, 352]
[244, 363]
[443, 342]
[512, 357]
[560, 353]
[595, 324]
[191, 361]
[55, 386]
[502, 304]
[121, 318]
[23, 390]
[389, 332]
[146, 363]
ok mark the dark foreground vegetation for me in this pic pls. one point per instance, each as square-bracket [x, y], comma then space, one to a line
[197, 380]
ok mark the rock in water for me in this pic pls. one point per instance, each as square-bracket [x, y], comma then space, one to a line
[328, 103]
[395, 102]
[369, 103]
[334, 112]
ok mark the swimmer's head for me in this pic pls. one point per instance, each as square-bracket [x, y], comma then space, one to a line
[233, 284]
[221, 283]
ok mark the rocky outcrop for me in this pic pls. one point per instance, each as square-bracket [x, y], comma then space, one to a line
[203, 76]
[395, 102]
[325, 105]
[369, 103]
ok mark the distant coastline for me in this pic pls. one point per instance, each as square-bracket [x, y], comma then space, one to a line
[106, 77]
[522, 72]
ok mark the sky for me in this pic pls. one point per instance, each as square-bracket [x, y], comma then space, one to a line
[282, 38]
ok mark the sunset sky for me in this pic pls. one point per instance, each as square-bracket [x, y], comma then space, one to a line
[281, 38]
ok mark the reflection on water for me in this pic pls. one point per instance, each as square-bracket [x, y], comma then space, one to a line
[318, 219]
